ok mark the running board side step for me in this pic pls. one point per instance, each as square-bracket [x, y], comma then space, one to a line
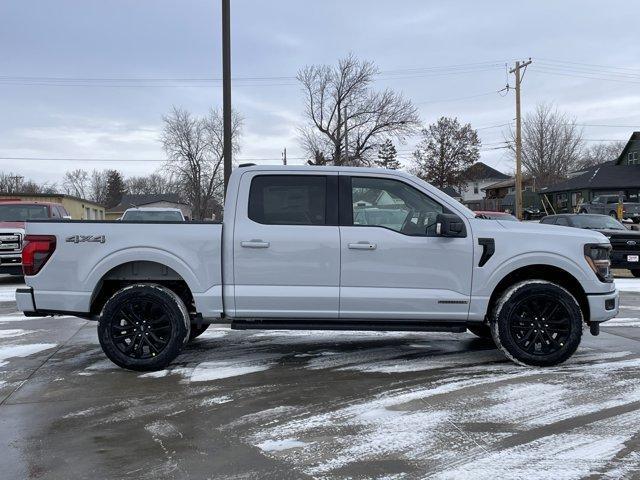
[356, 325]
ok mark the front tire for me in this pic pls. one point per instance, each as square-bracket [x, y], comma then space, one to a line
[143, 327]
[537, 323]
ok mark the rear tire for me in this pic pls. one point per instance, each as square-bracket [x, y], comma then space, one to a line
[583, 211]
[143, 327]
[197, 330]
[482, 331]
[537, 323]
[635, 272]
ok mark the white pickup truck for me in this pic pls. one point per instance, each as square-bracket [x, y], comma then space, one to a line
[323, 248]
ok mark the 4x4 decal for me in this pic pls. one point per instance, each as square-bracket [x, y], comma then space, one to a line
[86, 238]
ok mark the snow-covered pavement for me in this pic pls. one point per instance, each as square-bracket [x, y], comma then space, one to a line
[277, 404]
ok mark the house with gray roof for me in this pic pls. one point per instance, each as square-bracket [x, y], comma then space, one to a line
[621, 175]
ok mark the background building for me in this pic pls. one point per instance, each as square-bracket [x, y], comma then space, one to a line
[78, 208]
[621, 175]
[478, 176]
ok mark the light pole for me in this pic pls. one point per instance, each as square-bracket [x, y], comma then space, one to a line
[226, 89]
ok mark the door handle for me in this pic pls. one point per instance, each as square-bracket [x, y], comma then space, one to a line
[254, 244]
[362, 246]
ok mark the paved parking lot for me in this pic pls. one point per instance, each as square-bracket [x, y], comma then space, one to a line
[317, 405]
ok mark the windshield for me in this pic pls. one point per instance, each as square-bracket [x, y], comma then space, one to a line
[597, 222]
[21, 213]
[152, 216]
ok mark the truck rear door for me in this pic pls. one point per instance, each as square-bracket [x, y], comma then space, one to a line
[286, 245]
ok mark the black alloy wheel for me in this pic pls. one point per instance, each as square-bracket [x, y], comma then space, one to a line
[143, 327]
[538, 323]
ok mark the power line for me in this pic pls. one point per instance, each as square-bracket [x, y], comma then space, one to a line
[109, 160]
[204, 80]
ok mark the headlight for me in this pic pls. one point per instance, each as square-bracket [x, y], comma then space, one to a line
[597, 256]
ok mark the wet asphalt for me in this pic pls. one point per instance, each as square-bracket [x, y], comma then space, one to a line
[261, 405]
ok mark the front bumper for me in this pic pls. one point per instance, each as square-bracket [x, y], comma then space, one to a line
[24, 299]
[603, 307]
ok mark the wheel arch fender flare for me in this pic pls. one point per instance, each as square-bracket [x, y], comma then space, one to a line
[142, 254]
[532, 260]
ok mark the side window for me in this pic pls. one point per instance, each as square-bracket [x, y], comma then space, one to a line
[288, 200]
[548, 220]
[562, 221]
[63, 212]
[54, 212]
[612, 199]
[394, 205]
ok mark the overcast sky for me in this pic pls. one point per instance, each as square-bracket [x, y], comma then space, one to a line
[119, 65]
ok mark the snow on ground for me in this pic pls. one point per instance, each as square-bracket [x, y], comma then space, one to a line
[436, 427]
[628, 284]
[22, 350]
[622, 322]
[8, 292]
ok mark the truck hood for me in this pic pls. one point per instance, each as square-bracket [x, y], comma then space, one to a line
[555, 230]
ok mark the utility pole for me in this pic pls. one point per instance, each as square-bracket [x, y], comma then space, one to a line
[17, 179]
[284, 156]
[346, 142]
[516, 71]
[226, 89]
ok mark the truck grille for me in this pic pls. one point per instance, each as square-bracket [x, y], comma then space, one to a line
[10, 242]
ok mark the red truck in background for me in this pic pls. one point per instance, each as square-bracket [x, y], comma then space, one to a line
[13, 215]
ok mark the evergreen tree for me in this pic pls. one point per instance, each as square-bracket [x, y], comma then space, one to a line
[445, 152]
[387, 156]
[115, 188]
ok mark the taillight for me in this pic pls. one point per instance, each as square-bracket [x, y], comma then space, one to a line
[36, 250]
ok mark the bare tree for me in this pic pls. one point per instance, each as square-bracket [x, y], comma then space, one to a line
[154, 184]
[339, 102]
[446, 150]
[12, 183]
[598, 153]
[194, 146]
[76, 183]
[551, 145]
[98, 184]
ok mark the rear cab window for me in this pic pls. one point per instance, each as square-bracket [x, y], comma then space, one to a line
[291, 200]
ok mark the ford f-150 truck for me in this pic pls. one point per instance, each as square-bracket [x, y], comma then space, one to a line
[322, 248]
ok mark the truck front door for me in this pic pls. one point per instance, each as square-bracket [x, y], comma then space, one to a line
[286, 245]
[393, 264]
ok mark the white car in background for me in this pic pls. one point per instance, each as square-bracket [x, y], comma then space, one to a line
[152, 214]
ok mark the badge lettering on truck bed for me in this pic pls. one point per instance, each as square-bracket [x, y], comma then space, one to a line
[86, 238]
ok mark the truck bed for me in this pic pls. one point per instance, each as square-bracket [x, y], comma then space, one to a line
[87, 251]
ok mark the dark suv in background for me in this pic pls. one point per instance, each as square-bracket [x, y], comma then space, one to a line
[625, 243]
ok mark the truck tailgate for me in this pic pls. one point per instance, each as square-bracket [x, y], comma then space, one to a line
[87, 250]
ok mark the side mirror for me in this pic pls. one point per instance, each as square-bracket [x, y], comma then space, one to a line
[449, 225]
